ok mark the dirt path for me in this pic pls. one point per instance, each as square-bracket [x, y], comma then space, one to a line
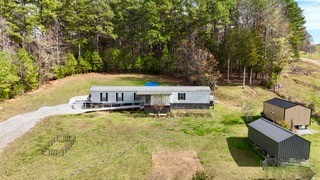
[316, 62]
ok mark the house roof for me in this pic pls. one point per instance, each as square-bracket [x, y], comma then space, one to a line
[281, 103]
[272, 130]
[150, 88]
[153, 93]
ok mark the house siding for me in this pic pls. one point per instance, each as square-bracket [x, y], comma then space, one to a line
[279, 113]
[199, 98]
[299, 114]
[191, 97]
[128, 97]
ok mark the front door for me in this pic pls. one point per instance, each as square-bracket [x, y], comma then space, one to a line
[147, 99]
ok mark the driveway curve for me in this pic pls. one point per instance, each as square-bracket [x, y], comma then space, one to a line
[16, 126]
[315, 62]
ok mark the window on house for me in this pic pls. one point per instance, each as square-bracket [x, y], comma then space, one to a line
[103, 97]
[181, 96]
[119, 96]
[134, 96]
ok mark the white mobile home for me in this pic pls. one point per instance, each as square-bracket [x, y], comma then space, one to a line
[195, 97]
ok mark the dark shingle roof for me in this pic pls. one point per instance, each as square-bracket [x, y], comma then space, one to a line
[281, 103]
[272, 130]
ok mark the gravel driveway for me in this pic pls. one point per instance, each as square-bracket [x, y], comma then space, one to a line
[16, 126]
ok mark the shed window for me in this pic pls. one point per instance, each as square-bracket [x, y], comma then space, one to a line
[273, 112]
[181, 96]
[119, 96]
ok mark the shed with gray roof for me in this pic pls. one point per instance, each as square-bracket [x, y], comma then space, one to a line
[281, 110]
[277, 141]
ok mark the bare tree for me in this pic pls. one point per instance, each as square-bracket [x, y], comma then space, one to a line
[158, 103]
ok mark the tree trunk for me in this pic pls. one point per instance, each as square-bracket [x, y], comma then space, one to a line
[244, 77]
[57, 35]
[79, 50]
[228, 68]
[39, 76]
[251, 77]
[97, 43]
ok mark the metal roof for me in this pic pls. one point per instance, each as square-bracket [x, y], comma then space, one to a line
[281, 103]
[153, 93]
[150, 88]
[272, 130]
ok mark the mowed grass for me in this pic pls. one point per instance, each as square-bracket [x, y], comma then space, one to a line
[120, 146]
[60, 91]
[314, 56]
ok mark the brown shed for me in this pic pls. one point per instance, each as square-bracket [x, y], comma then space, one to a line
[281, 110]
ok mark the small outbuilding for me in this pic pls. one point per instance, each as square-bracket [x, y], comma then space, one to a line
[281, 110]
[278, 142]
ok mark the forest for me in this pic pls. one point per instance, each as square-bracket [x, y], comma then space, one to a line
[197, 40]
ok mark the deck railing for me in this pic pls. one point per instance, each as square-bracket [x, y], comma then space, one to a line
[89, 105]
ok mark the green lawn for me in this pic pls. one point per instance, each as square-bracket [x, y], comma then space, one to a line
[120, 145]
[315, 56]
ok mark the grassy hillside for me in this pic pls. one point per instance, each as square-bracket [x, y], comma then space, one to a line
[315, 56]
[302, 84]
[120, 145]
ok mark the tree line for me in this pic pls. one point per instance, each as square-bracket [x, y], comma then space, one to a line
[198, 40]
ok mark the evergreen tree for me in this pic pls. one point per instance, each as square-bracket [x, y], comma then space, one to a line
[8, 76]
[296, 19]
[96, 63]
[83, 65]
[71, 65]
[27, 69]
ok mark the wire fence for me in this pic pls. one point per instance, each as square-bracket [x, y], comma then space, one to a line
[68, 141]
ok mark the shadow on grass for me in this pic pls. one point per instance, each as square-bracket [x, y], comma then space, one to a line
[241, 150]
[248, 120]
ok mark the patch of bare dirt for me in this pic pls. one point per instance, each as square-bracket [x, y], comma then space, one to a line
[175, 165]
[298, 71]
